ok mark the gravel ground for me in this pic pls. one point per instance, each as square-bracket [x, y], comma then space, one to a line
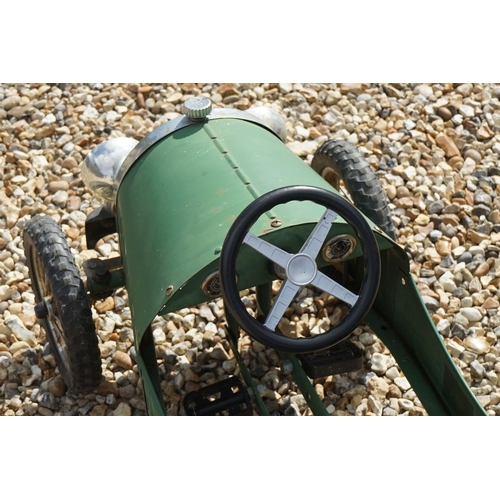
[436, 150]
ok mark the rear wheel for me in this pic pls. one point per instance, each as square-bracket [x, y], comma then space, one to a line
[340, 160]
[62, 304]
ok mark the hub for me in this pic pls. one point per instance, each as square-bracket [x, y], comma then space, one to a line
[301, 269]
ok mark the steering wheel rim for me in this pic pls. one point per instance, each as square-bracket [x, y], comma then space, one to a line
[299, 268]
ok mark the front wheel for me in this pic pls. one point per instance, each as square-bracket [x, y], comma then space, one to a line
[340, 160]
[62, 304]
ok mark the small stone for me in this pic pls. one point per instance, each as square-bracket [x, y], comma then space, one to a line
[473, 155]
[123, 360]
[60, 198]
[106, 387]
[405, 404]
[380, 363]
[303, 148]
[472, 314]
[391, 192]
[107, 304]
[159, 336]
[206, 313]
[444, 327]
[69, 163]
[45, 412]
[219, 353]
[123, 410]
[57, 387]
[392, 373]
[55, 186]
[188, 321]
[402, 383]
[466, 111]
[409, 173]
[478, 345]
[227, 89]
[444, 113]
[477, 369]
[375, 406]
[18, 329]
[448, 145]
[482, 269]
[98, 411]
[443, 248]
[284, 88]
[127, 392]
[356, 88]
[484, 400]
[455, 348]
[175, 98]
[5, 292]
[491, 303]
[424, 90]
[378, 387]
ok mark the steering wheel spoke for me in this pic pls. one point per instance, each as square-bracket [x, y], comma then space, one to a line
[330, 286]
[313, 244]
[273, 253]
[283, 300]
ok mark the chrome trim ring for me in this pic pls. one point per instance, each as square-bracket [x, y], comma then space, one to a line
[339, 248]
[172, 126]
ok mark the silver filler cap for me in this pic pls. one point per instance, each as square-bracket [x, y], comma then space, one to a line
[197, 108]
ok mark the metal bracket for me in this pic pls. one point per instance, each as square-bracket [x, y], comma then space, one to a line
[103, 277]
[99, 223]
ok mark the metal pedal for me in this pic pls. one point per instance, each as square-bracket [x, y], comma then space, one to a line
[342, 358]
[228, 397]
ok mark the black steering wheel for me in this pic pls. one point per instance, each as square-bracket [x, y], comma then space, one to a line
[300, 269]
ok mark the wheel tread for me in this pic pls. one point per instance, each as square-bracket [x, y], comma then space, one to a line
[359, 179]
[44, 236]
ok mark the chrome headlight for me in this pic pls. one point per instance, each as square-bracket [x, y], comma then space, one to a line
[101, 165]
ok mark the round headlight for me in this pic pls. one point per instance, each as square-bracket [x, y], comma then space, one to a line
[101, 165]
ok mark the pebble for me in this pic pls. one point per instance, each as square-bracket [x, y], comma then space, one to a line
[17, 327]
[478, 345]
[303, 148]
[444, 113]
[402, 383]
[477, 369]
[57, 387]
[448, 145]
[473, 155]
[123, 360]
[56, 186]
[106, 387]
[123, 410]
[5, 292]
[380, 363]
[471, 313]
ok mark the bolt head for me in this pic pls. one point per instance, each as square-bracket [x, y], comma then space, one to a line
[41, 310]
[197, 108]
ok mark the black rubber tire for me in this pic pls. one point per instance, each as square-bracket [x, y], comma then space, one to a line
[340, 160]
[70, 328]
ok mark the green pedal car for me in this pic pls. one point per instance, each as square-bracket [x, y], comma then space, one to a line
[213, 203]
